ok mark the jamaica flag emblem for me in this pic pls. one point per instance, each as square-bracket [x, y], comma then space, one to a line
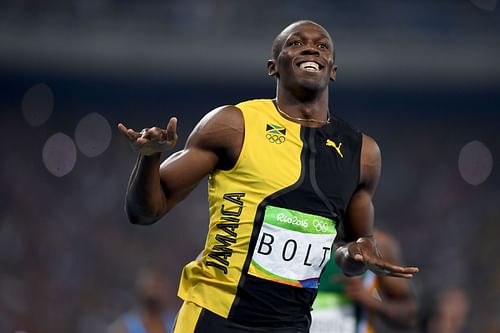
[275, 133]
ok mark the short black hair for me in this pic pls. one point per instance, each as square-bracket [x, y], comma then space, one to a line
[280, 38]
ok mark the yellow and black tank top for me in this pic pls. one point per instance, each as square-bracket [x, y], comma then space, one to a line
[273, 219]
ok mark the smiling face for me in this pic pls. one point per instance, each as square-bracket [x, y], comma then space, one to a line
[303, 57]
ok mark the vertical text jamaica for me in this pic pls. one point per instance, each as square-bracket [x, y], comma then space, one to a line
[228, 224]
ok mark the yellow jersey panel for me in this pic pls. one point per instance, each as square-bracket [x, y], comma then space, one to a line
[269, 161]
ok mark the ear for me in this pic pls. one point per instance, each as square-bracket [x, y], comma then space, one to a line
[271, 67]
[333, 73]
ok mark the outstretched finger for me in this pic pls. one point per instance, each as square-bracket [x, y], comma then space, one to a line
[404, 270]
[172, 129]
[397, 271]
[122, 128]
[130, 133]
[400, 275]
[388, 268]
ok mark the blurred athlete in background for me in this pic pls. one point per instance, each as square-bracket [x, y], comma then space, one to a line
[351, 304]
[152, 314]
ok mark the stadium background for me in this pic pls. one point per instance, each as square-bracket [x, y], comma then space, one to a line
[422, 78]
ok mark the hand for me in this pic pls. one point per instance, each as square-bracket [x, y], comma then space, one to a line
[365, 250]
[152, 140]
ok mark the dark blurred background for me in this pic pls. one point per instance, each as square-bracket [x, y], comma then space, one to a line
[421, 77]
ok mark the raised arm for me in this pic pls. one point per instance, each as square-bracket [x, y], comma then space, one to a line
[355, 248]
[154, 186]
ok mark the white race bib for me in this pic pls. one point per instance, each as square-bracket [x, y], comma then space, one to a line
[292, 247]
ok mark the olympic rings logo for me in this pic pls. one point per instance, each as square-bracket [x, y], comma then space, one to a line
[274, 138]
[320, 225]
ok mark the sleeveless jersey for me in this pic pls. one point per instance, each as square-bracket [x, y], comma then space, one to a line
[273, 219]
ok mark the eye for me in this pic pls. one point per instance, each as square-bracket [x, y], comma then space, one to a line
[295, 43]
[323, 46]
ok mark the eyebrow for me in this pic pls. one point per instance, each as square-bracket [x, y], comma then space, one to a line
[301, 34]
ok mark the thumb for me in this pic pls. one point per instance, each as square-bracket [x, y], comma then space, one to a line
[358, 257]
[356, 252]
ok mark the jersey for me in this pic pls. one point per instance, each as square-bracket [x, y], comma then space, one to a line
[335, 313]
[273, 219]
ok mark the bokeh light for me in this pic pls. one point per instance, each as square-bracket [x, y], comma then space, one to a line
[38, 104]
[59, 154]
[93, 134]
[475, 162]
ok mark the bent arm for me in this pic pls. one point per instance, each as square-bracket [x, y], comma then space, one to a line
[355, 248]
[155, 187]
[358, 223]
[144, 200]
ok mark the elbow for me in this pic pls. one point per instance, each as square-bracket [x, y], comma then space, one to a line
[141, 218]
[145, 211]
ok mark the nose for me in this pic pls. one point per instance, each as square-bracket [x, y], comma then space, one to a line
[309, 49]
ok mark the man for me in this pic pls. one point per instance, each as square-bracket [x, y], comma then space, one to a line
[152, 314]
[351, 304]
[285, 177]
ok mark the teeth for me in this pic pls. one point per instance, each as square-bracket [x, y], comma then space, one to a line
[309, 66]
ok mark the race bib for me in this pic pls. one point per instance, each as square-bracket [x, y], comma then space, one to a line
[292, 247]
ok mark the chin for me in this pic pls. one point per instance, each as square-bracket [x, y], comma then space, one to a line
[312, 83]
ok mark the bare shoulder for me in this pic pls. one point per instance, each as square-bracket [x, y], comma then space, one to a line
[371, 163]
[370, 151]
[227, 115]
[222, 121]
[220, 131]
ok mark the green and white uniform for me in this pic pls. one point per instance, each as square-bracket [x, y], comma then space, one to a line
[333, 312]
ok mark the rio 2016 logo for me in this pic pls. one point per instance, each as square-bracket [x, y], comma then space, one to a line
[292, 220]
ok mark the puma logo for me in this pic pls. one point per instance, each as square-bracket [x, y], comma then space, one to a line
[330, 143]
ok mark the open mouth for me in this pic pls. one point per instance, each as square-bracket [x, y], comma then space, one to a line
[309, 66]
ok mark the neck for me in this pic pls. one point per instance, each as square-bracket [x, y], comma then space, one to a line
[308, 112]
